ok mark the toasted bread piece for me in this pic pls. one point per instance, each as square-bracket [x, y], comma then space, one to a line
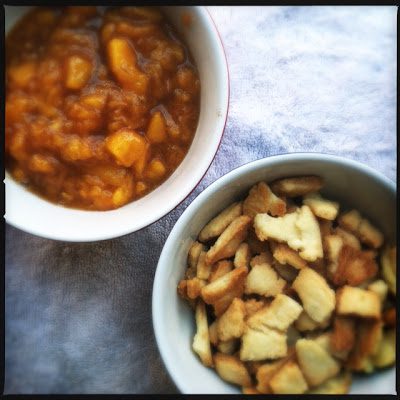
[289, 380]
[348, 238]
[358, 302]
[253, 305]
[339, 384]
[321, 207]
[224, 302]
[370, 235]
[350, 220]
[386, 353]
[369, 336]
[223, 288]
[280, 314]
[229, 346]
[304, 323]
[265, 372]
[231, 369]
[218, 224]
[231, 324]
[389, 317]
[285, 255]
[333, 245]
[354, 267]
[203, 269]
[194, 286]
[362, 228]
[229, 240]
[262, 258]
[300, 230]
[380, 288]
[219, 269]
[242, 256]
[315, 362]
[297, 186]
[344, 335]
[201, 341]
[250, 390]
[268, 344]
[213, 333]
[194, 253]
[262, 200]
[182, 289]
[388, 263]
[317, 297]
[285, 271]
[263, 280]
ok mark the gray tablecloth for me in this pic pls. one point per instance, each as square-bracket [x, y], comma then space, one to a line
[78, 316]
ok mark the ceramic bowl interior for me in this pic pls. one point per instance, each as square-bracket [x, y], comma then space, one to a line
[351, 183]
[30, 213]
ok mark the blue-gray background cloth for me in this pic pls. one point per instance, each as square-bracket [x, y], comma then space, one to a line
[319, 79]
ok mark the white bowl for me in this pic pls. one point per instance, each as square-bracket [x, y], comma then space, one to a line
[349, 182]
[32, 214]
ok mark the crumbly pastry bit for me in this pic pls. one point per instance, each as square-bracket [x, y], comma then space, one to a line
[304, 323]
[354, 301]
[201, 340]
[262, 345]
[263, 258]
[194, 286]
[218, 224]
[262, 200]
[300, 230]
[297, 186]
[280, 314]
[265, 372]
[321, 207]
[386, 353]
[348, 238]
[343, 335]
[317, 297]
[219, 269]
[354, 267]
[388, 263]
[264, 280]
[289, 380]
[316, 363]
[231, 369]
[194, 253]
[230, 284]
[362, 228]
[229, 240]
[203, 269]
[380, 287]
[339, 384]
[231, 324]
[285, 255]
[242, 256]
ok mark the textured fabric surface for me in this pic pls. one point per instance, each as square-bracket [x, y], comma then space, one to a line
[320, 79]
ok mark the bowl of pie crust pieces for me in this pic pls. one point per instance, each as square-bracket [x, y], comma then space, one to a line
[113, 115]
[280, 278]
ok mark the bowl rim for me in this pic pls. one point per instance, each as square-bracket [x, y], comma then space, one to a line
[219, 184]
[155, 216]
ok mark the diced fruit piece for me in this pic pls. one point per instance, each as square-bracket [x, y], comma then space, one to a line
[156, 169]
[126, 146]
[157, 130]
[78, 72]
[21, 75]
[122, 61]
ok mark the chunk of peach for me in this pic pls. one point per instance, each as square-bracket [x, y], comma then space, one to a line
[127, 146]
[141, 163]
[156, 169]
[78, 72]
[157, 129]
[21, 75]
[122, 62]
[122, 195]
[41, 164]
